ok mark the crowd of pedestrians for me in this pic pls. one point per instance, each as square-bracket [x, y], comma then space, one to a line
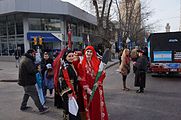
[70, 78]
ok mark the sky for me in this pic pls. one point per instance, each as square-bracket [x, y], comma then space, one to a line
[163, 12]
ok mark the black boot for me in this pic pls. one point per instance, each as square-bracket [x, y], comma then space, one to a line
[141, 90]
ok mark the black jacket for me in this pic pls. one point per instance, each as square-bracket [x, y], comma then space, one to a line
[73, 79]
[140, 74]
[43, 65]
[17, 54]
[27, 71]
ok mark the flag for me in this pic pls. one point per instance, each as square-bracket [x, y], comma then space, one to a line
[69, 39]
[104, 61]
[56, 66]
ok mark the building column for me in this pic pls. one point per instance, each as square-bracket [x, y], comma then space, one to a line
[25, 30]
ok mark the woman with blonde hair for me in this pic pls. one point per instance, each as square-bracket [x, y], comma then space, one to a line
[124, 67]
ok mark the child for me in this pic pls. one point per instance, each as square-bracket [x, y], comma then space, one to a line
[48, 77]
[39, 84]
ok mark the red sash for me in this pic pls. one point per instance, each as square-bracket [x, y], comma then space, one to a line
[67, 80]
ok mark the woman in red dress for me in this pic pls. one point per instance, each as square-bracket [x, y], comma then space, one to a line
[88, 69]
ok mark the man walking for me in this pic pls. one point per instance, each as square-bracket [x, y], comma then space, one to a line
[27, 79]
[17, 55]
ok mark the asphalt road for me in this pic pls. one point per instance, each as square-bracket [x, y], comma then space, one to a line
[161, 100]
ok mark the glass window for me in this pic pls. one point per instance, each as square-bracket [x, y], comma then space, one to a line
[20, 39]
[74, 29]
[4, 47]
[4, 39]
[12, 45]
[86, 28]
[19, 25]
[44, 24]
[0, 47]
[53, 25]
[34, 23]
[11, 25]
[79, 31]
[3, 26]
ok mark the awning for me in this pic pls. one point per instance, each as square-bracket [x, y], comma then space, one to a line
[47, 37]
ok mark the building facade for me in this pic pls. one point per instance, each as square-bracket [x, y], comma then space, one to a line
[23, 21]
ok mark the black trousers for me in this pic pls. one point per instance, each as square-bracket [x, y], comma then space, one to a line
[140, 79]
[30, 91]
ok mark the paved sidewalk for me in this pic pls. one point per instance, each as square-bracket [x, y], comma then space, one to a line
[9, 72]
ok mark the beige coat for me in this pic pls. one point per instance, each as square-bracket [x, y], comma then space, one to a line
[124, 67]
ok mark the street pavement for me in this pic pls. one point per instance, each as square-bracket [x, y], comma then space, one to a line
[11, 96]
[9, 72]
[160, 101]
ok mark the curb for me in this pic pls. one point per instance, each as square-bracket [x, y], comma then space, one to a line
[8, 80]
[112, 65]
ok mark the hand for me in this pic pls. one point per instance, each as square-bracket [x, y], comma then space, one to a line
[76, 57]
[85, 87]
[89, 91]
[70, 95]
[99, 83]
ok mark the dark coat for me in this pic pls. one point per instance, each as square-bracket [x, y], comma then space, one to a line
[27, 71]
[140, 73]
[43, 65]
[17, 54]
[64, 89]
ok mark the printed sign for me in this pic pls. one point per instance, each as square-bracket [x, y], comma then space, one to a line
[177, 56]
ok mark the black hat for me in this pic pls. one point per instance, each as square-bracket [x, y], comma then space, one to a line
[66, 53]
[140, 51]
[30, 51]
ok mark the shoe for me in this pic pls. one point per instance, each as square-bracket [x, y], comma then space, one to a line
[126, 89]
[51, 96]
[140, 91]
[25, 108]
[44, 110]
[44, 106]
[65, 117]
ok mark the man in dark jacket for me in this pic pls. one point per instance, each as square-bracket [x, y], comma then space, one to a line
[17, 55]
[46, 60]
[140, 73]
[27, 79]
